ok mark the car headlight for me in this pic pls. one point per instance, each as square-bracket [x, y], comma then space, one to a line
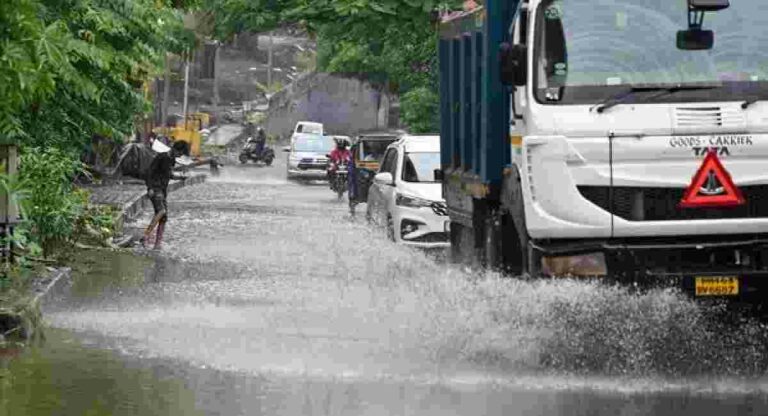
[411, 201]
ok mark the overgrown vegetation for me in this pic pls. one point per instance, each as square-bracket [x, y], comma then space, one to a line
[72, 70]
[52, 205]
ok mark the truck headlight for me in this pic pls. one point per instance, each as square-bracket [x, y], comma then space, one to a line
[411, 201]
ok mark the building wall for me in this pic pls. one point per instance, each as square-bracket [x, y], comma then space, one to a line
[344, 105]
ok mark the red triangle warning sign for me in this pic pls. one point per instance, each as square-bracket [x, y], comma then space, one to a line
[712, 187]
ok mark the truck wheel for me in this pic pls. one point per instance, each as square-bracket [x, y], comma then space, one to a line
[455, 237]
[462, 244]
[492, 248]
[518, 257]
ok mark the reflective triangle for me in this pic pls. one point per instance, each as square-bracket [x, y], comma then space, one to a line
[712, 187]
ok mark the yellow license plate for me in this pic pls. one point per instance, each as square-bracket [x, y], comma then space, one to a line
[717, 286]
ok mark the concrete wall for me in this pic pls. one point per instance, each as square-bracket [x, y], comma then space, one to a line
[344, 105]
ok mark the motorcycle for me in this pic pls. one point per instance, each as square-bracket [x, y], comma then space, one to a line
[251, 152]
[337, 179]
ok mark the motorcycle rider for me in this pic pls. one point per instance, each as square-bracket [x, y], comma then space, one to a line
[261, 140]
[352, 181]
[338, 155]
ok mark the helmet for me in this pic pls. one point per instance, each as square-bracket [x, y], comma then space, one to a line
[260, 129]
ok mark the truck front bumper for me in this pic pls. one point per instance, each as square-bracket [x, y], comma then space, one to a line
[731, 267]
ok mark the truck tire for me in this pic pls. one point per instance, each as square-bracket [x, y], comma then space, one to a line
[462, 245]
[492, 247]
[518, 256]
[455, 237]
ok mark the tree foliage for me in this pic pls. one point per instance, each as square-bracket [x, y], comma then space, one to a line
[391, 43]
[71, 69]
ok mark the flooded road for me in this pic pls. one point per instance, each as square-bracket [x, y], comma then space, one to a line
[268, 298]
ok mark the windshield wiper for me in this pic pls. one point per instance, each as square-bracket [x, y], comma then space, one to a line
[629, 93]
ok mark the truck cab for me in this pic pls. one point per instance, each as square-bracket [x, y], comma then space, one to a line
[637, 130]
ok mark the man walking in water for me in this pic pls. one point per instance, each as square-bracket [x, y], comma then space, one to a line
[160, 173]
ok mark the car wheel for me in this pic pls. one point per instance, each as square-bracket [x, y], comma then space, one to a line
[390, 228]
[243, 158]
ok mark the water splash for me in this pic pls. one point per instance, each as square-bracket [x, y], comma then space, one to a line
[284, 267]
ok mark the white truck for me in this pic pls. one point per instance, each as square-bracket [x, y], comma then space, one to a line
[631, 131]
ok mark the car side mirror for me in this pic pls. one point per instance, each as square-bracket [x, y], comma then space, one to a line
[695, 40]
[438, 175]
[384, 178]
[512, 59]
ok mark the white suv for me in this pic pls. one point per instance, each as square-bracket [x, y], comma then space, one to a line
[405, 196]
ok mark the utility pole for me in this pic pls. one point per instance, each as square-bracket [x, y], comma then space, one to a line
[186, 89]
[216, 83]
[166, 91]
[269, 62]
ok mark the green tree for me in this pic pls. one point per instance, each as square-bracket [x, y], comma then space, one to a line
[71, 69]
[390, 43]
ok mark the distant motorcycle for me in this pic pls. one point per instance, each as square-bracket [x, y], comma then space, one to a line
[338, 180]
[251, 152]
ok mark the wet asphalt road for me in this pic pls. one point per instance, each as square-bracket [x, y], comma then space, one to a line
[268, 298]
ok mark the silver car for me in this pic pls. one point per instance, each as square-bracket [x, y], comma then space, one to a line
[307, 156]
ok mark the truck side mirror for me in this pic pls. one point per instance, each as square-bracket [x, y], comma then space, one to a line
[438, 175]
[695, 40]
[512, 59]
[708, 5]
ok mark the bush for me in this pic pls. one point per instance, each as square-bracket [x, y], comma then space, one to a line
[51, 206]
[420, 110]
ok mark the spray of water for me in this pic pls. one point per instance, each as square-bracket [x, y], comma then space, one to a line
[308, 254]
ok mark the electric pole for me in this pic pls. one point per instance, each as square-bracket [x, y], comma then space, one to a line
[186, 89]
[166, 92]
[269, 62]
[216, 82]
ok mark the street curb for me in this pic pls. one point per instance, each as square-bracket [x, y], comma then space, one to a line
[134, 207]
[59, 275]
[20, 321]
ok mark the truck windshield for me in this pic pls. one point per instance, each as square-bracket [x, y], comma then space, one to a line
[317, 144]
[420, 166]
[587, 51]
